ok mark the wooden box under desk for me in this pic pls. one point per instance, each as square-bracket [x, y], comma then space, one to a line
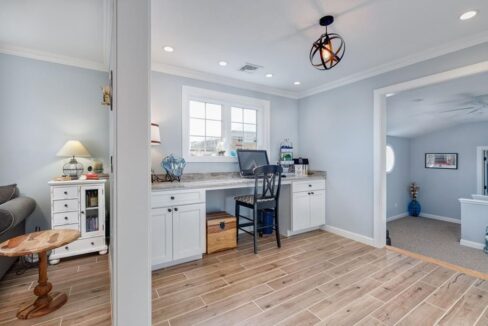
[221, 232]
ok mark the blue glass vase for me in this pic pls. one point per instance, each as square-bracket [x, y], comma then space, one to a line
[174, 167]
[414, 208]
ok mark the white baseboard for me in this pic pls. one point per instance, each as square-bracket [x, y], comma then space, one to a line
[350, 235]
[441, 218]
[396, 217]
[472, 244]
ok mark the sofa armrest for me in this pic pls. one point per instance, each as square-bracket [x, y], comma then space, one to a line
[14, 212]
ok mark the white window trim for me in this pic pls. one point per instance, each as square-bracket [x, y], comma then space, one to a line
[200, 94]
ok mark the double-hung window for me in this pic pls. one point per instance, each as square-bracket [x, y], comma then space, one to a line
[216, 124]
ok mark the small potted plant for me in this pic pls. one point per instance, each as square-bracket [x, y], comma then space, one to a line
[414, 206]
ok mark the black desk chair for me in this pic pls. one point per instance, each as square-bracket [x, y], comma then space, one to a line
[266, 196]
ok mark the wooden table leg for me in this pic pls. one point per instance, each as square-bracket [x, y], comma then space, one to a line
[46, 302]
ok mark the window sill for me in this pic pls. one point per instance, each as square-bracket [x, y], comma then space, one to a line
[210, 159]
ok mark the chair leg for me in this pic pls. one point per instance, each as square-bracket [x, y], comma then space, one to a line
[255, 220]
[277, 227]
[237, 222]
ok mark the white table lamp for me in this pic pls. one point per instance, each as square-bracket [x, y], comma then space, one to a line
[73, 148]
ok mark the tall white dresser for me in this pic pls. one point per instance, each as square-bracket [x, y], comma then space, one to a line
[79, 205]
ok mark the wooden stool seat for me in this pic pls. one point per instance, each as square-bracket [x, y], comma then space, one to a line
[39, 243]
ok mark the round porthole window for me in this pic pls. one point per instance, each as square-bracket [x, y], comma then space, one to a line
[390, 159]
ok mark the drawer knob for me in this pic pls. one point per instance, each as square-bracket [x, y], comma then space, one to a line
[67, 248]
[172, 197]
[176, 209]
[65, 205]
[93, 243]
[66, 218]
[222, 225]
[310, 185]
[65, 192]
[169, 210]
[82, 212]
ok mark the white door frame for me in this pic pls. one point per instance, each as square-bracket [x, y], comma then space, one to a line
[479, 169]
[379, 137]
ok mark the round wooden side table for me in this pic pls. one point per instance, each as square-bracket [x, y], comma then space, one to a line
[40, 243]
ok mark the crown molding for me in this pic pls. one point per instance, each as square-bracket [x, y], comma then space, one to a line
[401, 63]
[200, 75]
[51, 57]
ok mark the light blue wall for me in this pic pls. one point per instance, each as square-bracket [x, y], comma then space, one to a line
[441, 189]
[166, 109]
[42, 105]
[398, 181]
[336, 133]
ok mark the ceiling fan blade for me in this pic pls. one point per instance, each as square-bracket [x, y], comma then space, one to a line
[460, 109]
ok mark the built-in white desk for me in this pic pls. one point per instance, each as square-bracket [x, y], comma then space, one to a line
[178, 210]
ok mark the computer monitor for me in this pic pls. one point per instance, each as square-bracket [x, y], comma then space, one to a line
[250, 159]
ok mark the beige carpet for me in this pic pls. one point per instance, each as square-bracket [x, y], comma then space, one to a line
[436, 239]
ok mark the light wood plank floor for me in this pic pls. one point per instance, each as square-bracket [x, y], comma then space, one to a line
[316, 278]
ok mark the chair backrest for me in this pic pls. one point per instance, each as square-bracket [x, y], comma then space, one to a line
[267, 182]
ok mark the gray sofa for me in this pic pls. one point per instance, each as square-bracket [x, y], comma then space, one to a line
[14, 210]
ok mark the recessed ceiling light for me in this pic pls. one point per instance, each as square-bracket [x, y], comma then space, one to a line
[389, 94]
[468, 15]
[168, 49]
[268, 75]
[296, 83]
[223, 63]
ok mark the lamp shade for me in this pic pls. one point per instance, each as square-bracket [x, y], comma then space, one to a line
[73, 148]
[155, 135]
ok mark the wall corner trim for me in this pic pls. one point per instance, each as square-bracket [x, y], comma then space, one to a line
[472, 244]
[397, 217]
[441, 218]
[350, 235]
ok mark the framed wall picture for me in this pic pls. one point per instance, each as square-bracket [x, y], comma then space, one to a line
[447, 161]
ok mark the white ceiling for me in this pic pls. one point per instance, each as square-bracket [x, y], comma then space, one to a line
[423, 110]
[67, 30]
[277, 34]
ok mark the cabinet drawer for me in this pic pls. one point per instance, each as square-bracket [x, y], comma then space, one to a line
[164, 199]
[81, 244]
[65, 218]
[65, 192]
[67, 205]
[68, 226]
[308, 185]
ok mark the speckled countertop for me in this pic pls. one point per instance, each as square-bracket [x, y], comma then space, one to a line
[223, 180]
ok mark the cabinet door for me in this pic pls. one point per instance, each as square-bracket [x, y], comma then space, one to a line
[301, 211]
[317, 208]
[161, 235]
[92, 211]
[188, 230]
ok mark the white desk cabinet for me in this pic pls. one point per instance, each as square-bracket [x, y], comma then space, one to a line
[161, 235]
[308, 206]
[79, 205]
[177, 227]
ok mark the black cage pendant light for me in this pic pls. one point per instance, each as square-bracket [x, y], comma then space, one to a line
[329, 49]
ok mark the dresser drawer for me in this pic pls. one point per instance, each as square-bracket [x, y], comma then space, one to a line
[68, 226]
[164, 199]
[65, 193]
[81, 244]
[67, 205]
[65, 218]
[308, 185]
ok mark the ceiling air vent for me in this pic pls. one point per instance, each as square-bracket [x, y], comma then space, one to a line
[250, 68]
